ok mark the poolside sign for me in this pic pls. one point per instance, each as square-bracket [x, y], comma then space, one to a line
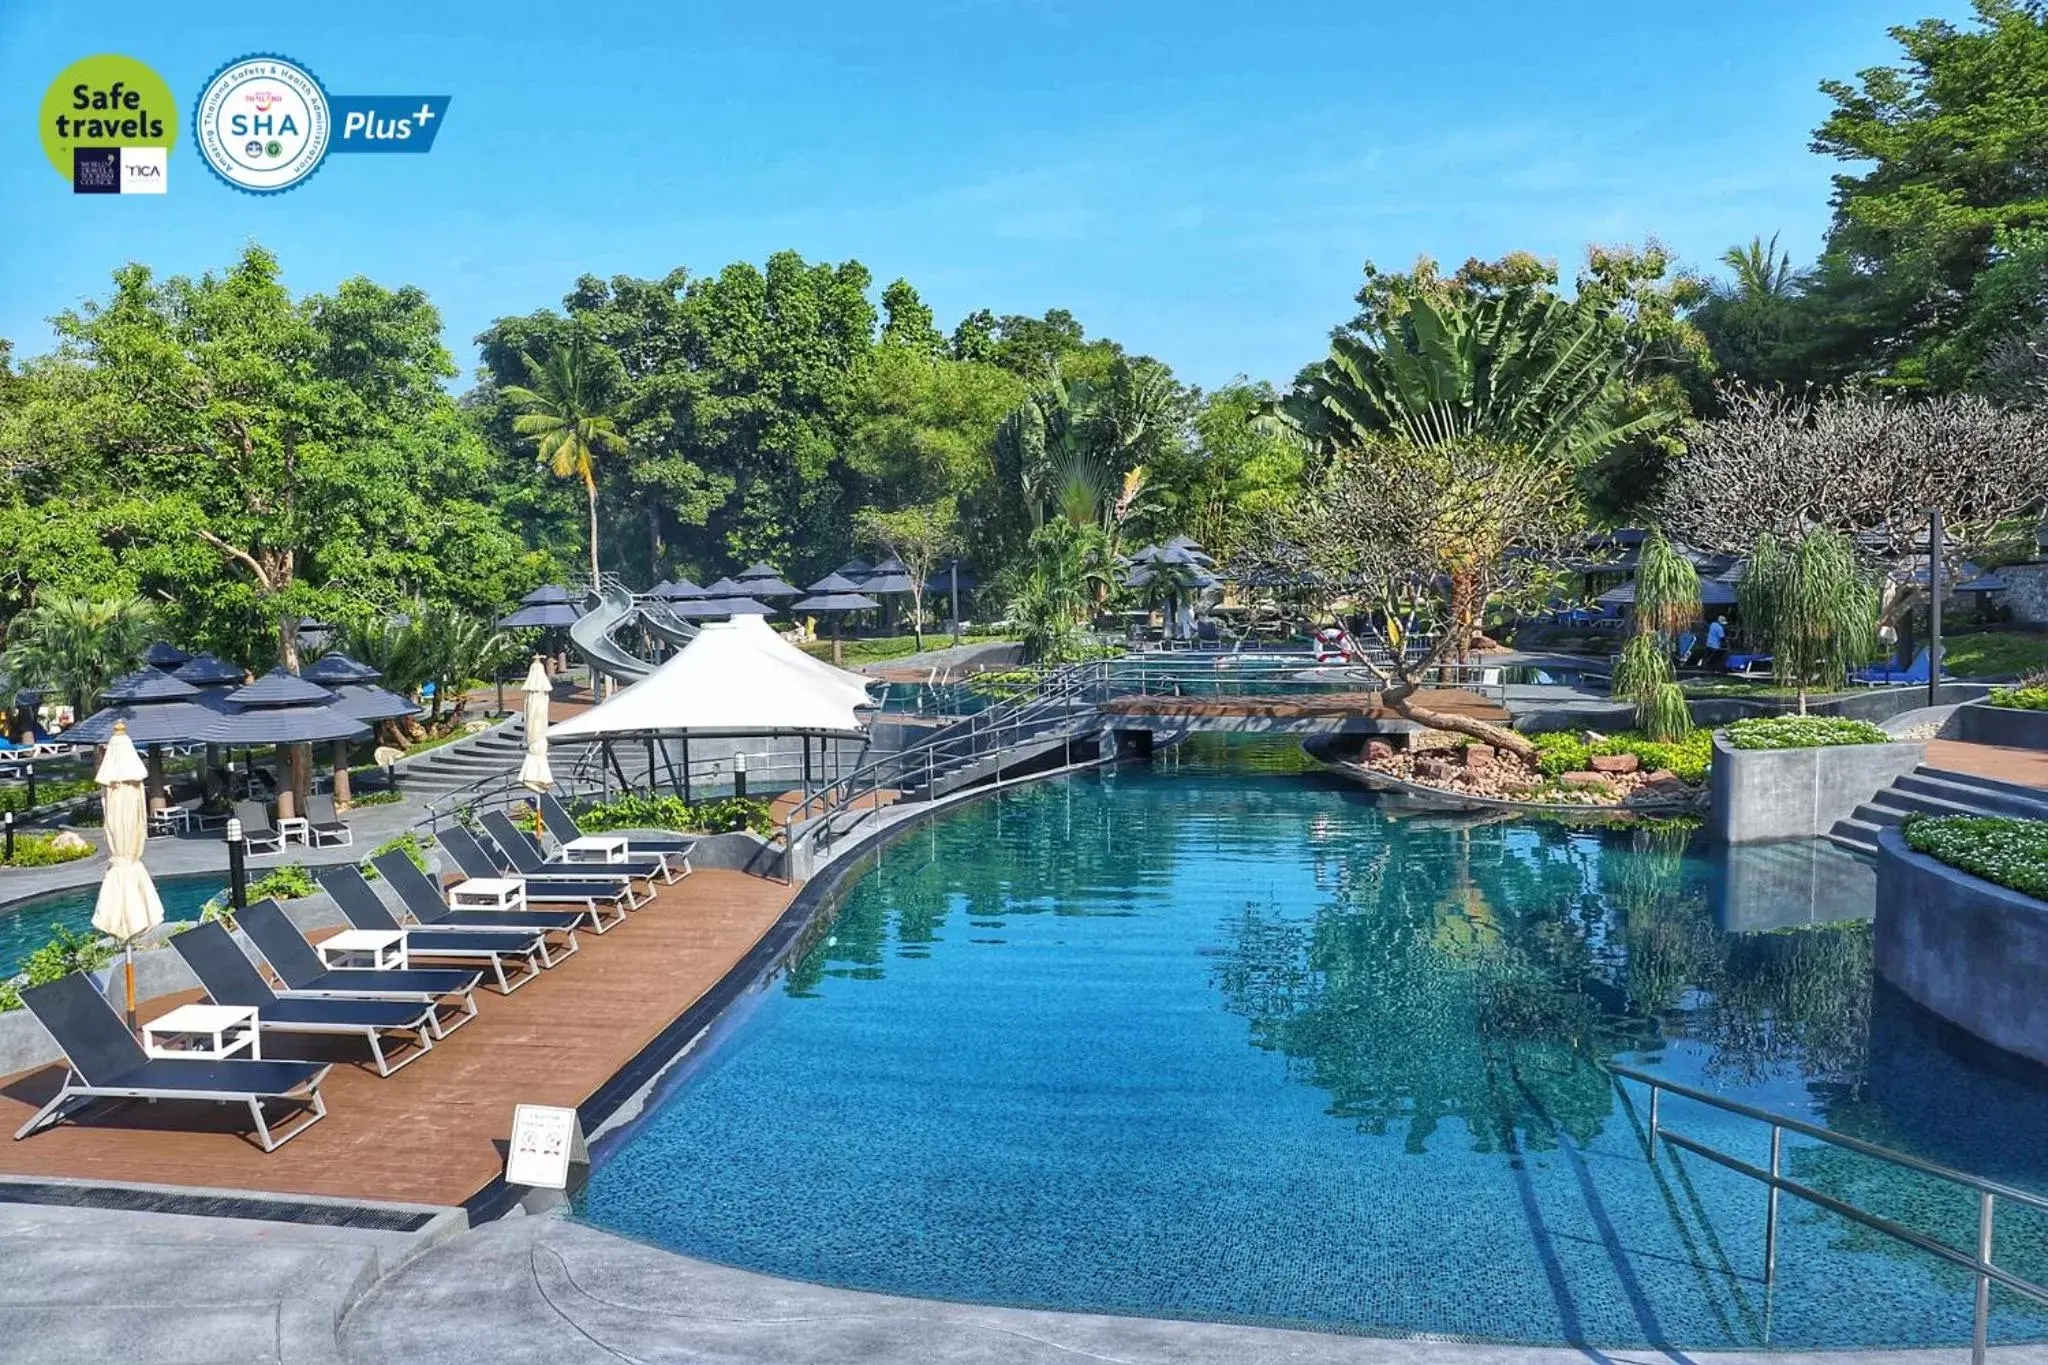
[546, 1141]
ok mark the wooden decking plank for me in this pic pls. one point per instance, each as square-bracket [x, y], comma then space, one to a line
[429, 1133]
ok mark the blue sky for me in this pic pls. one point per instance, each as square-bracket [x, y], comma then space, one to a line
[1199, 180]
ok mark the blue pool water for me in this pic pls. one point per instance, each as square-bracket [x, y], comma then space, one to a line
[1222, 1040]
[26, 927]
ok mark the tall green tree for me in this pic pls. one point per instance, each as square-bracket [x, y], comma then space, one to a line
[73, 647]
[1815, 607]
[566, 416]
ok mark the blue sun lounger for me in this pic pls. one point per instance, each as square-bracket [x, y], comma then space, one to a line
[106, 1063]
[230, 978]
[299, 965]
[496, 948]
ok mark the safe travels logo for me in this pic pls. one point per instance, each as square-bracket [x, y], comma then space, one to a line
[264, 124]
[108, 124]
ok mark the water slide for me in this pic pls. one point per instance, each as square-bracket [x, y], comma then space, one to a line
[660, 622]
[592, 634]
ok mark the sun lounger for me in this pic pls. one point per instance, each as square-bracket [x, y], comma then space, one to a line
[230, 978]
[424, 901]
[475, 857]
[674, 852]
[1884, 675]
[106, 1063]
[496, 948]
[299, 965]
[524, 854]
[257, 829]
[323, 825]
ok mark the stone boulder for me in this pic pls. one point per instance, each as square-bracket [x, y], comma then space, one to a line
[1480, 755]
[69, 841]
[1378, 751]
[1615, 763]
[1589, 781]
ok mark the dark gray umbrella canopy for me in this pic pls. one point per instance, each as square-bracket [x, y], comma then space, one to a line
[282, 708]
[855, 569]
[164, 655]
[681, 590]
[769, 587]
[761, 569]
[542, 616]
[727, 587]
[552, 593]
[204, 670]
[889, 576]
[367, 701]
[834, 583]
[329, 669]
[710, 608]
[1713, 593]
[147, 685]
[946, 577]
[148, 722]
[837, 602]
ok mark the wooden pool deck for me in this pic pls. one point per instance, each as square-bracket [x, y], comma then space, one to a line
[434, 1132]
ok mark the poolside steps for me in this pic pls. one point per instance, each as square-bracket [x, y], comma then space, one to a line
[1936, 791]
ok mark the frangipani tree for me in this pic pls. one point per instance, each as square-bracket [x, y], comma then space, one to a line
[1423, 540]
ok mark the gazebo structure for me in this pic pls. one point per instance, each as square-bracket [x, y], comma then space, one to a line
[549, 608]
[356, 694]
[157, 710]
[735, 680]
[284, 709]
[765, 583]
[719, 608]
[835, 595]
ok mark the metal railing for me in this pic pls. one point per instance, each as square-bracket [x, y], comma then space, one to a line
[1989, 1192]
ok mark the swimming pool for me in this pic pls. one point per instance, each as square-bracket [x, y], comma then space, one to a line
[1222, 1040]
[26, 927]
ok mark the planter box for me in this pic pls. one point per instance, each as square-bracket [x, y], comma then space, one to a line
[1760, 795]
[1972, 952]
[1983, 723]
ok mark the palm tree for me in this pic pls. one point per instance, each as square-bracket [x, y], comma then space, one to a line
[74, 646]
[1520, 368]
[1761, 270]
[1814, 605]
[565, 414]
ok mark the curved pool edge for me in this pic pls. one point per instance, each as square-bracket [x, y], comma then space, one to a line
[608, 1114]
[570, 1286]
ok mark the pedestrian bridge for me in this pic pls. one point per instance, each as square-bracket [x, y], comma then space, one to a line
[1306, 713]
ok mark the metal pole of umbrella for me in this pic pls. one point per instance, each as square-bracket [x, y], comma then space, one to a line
[688, 799]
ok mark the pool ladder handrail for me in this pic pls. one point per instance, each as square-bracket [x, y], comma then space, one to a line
[1988, 1192]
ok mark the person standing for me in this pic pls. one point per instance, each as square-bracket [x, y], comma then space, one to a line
[1717, 643]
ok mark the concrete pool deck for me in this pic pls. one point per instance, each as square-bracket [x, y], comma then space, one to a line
[569, 1294]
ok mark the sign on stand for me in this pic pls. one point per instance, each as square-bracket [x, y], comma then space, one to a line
[546, 1141]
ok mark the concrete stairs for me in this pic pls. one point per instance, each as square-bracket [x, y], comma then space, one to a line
[451, 767]
[1936, 791]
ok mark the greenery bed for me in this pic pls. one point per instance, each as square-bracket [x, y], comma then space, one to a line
[68, 951]
[721, 816]
[1995, 654]
[2021, 698]
[47, 793]
[40, 850]
[1689, 758]
[2011, 853]
[1802, 732]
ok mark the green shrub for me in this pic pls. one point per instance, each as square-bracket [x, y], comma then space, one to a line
[721, 816]
[409, 842]
[2021, 698]
[40, 850]
[286, 883]
[1689, 758]
[15, 798]
[68, 951]
[1802, 732]
[2012, 853]
[386, 798]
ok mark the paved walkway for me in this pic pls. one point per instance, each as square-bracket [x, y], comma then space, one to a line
[2028, 767]
[534, 1289]
[431, 1133]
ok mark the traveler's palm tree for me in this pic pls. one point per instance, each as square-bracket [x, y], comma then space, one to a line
[75, 646]
[1520, 368]
[564, 413]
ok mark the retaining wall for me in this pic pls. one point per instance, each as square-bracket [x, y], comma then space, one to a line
[1971, 952]
[1761, 795]
[1983, 723]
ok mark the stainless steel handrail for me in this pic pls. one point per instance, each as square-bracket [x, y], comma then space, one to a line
[1978, 1261]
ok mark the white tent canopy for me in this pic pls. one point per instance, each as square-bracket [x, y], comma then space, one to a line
[855, 685]
[731, 680]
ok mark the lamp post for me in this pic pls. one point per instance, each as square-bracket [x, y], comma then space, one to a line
[739, 775]
[1934, 548]
[7, 850]
[28, 770]
[238, 871]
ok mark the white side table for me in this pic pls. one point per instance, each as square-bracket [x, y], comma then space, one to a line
[595, 848]
[384, 949]
[209, 1031]
[294, 827]
[488, 893]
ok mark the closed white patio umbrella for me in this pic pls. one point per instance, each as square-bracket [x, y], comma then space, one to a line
[534, 774]
[128, 904]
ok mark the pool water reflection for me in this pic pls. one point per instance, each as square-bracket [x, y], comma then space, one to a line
[28, 926]
[1222, 1039]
